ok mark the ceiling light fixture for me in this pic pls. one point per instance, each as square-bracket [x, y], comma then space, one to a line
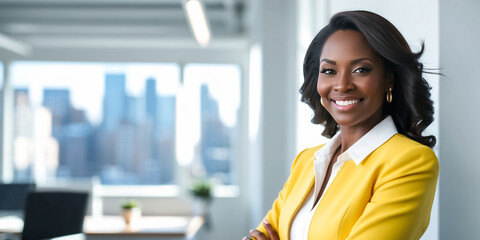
[14, 45]
[198, 21]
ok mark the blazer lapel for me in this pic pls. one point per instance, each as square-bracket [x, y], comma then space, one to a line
[300, 191]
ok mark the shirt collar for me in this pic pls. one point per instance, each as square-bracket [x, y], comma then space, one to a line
[373, 139]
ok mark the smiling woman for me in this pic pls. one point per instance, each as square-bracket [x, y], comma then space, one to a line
[352, 82]
[376, 177]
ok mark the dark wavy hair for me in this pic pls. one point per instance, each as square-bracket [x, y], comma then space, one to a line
[411, 109]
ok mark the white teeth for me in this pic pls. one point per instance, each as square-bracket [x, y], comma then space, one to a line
[345, 103]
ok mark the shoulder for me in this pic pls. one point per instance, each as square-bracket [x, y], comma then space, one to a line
[405, 142]
[305, 157]
[403, 153]
[403, 146]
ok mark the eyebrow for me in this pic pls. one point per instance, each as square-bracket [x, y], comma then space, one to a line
[351, 62]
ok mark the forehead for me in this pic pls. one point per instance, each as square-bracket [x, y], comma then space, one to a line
[347, 45]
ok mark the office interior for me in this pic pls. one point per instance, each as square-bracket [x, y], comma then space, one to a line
[254, 59]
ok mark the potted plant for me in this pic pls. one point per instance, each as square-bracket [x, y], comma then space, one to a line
[131, 211]
[201, 190]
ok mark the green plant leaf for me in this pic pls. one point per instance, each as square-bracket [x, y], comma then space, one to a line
[129, 204]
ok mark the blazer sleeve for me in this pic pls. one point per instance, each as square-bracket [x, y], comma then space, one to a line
[401, 199]
[274, 213]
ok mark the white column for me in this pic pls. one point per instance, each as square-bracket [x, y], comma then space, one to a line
[6, 129]
[459, 117]
[273, 149]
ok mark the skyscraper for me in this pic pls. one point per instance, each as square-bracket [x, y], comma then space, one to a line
[35, 151]
[151, 99]
[114, 101]
[23, 146]
[58, 102]
[77, 150]
[215, 138]
[166, 137]
[135, 110]
[166, 117]
[23, 113]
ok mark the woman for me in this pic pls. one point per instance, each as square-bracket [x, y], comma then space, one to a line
[376, 177]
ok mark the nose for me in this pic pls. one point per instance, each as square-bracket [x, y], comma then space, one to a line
[344, 83]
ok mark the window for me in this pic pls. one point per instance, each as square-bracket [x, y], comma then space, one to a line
[210, 105]
[127, 124]
[77, 120]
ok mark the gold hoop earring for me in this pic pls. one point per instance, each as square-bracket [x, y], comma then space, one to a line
[389, 95]
[321, 101]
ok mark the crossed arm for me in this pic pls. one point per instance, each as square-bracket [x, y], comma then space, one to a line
[399, 207]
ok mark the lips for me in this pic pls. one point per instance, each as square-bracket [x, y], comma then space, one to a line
[346, 102]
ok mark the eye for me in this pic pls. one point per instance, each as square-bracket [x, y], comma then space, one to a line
[327, 71]
[362, 70]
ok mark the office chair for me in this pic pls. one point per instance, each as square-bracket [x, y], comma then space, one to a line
[54, 214]
[13, 197]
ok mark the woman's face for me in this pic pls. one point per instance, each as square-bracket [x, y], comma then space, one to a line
[352, 82]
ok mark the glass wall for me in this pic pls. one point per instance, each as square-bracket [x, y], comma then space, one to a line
[77, 120]
[212, 100]
[121, 122]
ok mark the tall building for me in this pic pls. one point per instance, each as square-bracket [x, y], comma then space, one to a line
[58, 102]
[166, 116]
[135, 110]
[144, 154]
[151, 99]
[215, 138]
[166, 137]
[78, 115]
[151, 112]
[23, 145]
[21, 96]
[35, 152]
[125, 146]
[23, 113]
[114, 101]
[77, 150]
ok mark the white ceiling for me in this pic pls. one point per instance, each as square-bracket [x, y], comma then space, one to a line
[90, 24]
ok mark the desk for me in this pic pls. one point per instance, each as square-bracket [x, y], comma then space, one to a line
[113, 227]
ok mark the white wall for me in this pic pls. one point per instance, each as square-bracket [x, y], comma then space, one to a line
[459, 116]
[273, 149]
[313, 15]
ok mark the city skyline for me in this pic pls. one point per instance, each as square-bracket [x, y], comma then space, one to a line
[135, 142]
[86, 81]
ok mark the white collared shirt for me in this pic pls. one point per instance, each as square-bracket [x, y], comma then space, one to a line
[373, 139]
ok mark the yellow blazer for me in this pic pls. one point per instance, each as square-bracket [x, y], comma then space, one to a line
[389, 195]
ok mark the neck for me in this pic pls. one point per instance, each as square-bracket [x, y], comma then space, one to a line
[349, 135]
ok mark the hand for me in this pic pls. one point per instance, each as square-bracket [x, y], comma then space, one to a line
[260, 236]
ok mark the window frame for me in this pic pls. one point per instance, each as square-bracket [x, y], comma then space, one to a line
[174, 190]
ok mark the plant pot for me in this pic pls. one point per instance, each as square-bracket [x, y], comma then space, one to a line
[200, 206]
[131, 215]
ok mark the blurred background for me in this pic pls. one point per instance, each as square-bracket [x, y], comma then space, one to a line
[126, 99]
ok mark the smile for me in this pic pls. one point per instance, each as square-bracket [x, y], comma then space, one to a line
[346, 102]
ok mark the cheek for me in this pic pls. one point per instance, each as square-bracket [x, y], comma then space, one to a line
[376, 88]
[322, 88]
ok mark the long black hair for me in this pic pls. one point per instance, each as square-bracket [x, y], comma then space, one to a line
[411, 108]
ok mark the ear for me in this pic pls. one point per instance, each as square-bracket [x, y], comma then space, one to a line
[389, 80]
